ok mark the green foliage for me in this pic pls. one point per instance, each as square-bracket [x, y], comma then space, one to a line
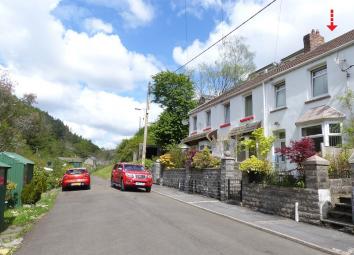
[347, 101]
[24, 128]
[259, 143]
[339, 166]
[174, 158]
[127, 147]
[253, 164]
[31, 192]
[9, 196]
[204, 159]
[232, 68]
[27, 215]
[286, 180]
[175, 93]
[104, 172]
[149, 163]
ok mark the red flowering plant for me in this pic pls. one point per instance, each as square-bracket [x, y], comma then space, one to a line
[298, 151]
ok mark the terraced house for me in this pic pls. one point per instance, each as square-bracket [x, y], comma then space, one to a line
[295, 98]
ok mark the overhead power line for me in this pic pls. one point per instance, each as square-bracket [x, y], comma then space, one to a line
[223, 37]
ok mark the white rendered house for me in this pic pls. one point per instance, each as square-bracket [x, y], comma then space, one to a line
[296, 98]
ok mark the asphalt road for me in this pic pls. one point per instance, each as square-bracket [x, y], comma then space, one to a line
[104, 220]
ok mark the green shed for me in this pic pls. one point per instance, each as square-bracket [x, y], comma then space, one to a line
[3, 180]
[21, 172]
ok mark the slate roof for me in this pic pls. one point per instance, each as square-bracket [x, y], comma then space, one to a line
[319, 113]
[295, 62]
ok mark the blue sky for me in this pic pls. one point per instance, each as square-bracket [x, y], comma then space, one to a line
[89, 61]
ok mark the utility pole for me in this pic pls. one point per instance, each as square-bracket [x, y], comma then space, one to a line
[146, 124]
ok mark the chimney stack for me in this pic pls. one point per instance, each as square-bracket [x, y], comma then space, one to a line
[312, 40]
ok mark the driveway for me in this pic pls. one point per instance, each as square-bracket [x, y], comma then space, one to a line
[104, 220]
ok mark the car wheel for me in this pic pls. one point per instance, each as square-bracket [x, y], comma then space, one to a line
[88, 186]
[148, 189]
[122, 188]
[63, 188]
[112, 183]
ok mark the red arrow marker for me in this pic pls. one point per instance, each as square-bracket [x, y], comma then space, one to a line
[332, 26]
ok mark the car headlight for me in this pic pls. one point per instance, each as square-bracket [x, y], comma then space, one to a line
[149, 176]
[129, 175]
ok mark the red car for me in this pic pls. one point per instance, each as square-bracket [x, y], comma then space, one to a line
[126, 175]
[76, 177]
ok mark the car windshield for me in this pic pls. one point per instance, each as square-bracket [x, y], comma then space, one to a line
[134, 168]
[76, 171]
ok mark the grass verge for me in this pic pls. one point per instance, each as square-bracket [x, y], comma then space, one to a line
[104, 172]
[22, 219]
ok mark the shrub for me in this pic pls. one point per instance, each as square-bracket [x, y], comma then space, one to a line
[31, 194]
[298, 151]
[174, 158]
[9, 196]
[204, 159]
[149, 163]
[254, 164]
[339, 166]
[166, 160]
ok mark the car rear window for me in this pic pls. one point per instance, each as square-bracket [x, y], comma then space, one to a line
[134, 168]
[76, 171]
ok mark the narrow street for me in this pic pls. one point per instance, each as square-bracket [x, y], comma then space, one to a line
[104, 220]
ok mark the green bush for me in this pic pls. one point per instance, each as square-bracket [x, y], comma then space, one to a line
[31, 194]
[339, 166]
[204, 159]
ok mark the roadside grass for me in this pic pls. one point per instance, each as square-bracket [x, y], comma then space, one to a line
[18, 221]
[30, 213]
[104, 172]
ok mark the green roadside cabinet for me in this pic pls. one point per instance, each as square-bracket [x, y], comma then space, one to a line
[3, 180]
[21, 172]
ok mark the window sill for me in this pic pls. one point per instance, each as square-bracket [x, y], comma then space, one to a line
[225, 125]
[315, 99]
[247, 118]
[206, 129]
[279, 109]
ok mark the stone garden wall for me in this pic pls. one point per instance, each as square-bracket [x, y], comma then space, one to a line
[281, 201]
[340, 187]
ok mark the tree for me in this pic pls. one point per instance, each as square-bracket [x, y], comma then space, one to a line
[298, 151]
[347, 101]
[233, 67]
[175, 93]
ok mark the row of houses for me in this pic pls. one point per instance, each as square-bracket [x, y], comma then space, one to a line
[295, 98]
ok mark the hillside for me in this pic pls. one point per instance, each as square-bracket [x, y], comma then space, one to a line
[28, 130]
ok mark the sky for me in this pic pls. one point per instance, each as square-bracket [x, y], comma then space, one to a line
[89, 61]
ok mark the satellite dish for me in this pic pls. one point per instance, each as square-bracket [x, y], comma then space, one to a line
[185, 122]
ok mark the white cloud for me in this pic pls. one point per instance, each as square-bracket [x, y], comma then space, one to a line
[94, 25]
[135, 12]
[297, 19]
[76, 76]
[105, 118]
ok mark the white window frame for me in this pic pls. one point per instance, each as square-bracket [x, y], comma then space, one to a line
[195, 123]
[313, 77]
[208, 118]
[244, 104]
[225, 115]
[328, 133]
[276, 91]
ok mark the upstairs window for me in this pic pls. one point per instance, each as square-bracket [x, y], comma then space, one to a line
[248, 106]
[280, 99]
[319, 81]
[208, 118]
[194, 123]
[227, 113]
